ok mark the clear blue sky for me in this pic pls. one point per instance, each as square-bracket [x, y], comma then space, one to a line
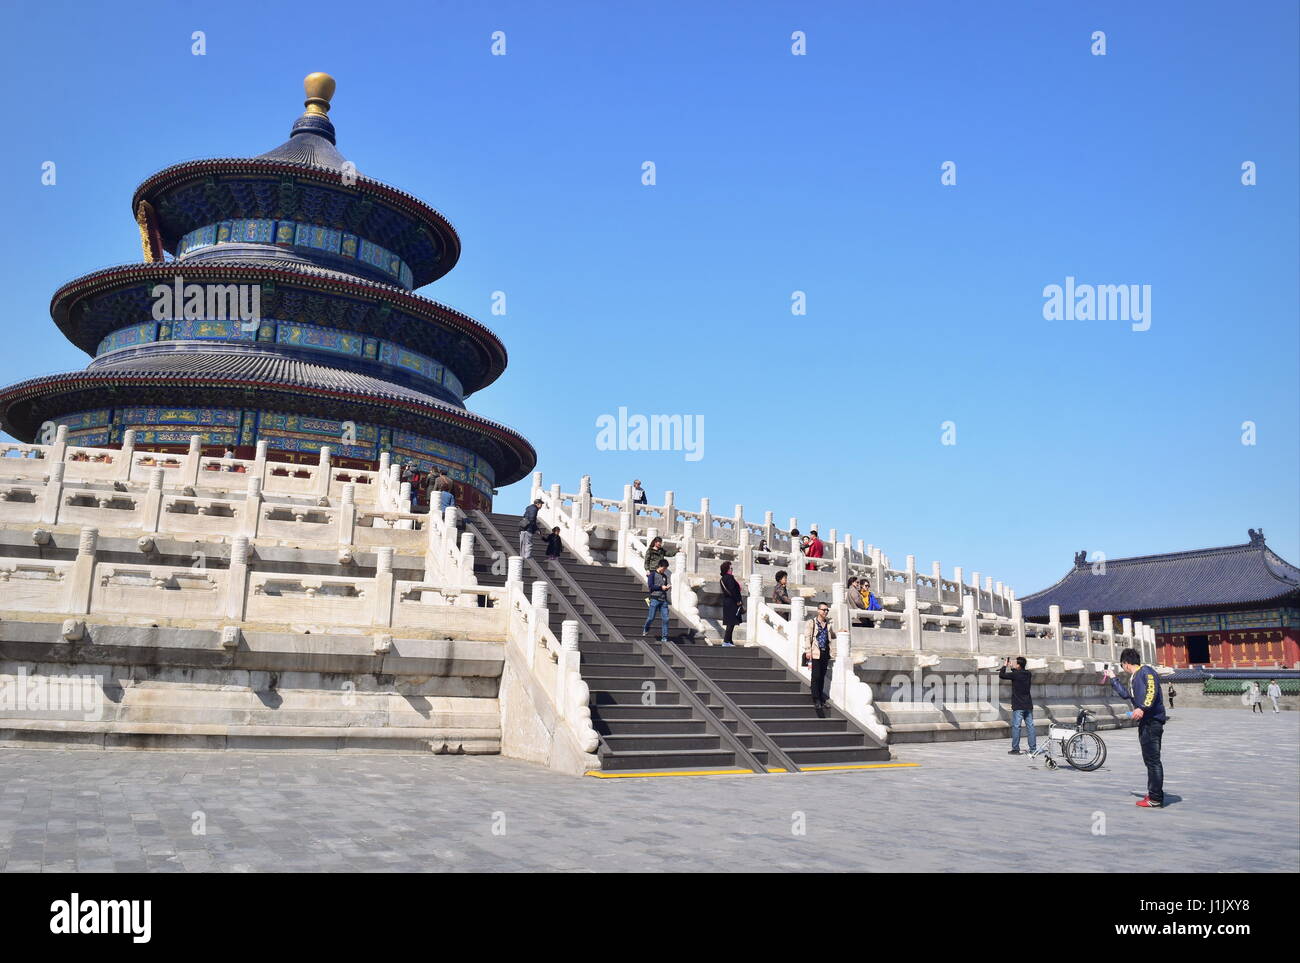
[776, 173]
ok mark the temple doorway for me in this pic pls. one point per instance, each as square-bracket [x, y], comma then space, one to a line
[1198, 649]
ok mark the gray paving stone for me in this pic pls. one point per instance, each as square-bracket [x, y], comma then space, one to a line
[966, 807]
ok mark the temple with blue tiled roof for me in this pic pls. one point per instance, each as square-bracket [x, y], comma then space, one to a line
[1238, 605]
[339, 351]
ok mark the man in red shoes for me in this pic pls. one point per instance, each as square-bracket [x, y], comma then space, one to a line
[1143, 691]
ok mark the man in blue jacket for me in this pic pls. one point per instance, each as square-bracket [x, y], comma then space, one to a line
[1143, 691]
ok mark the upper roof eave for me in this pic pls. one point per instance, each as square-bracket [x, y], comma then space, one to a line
[187, 171]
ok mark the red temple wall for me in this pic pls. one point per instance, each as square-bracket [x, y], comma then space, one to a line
[1236, 648]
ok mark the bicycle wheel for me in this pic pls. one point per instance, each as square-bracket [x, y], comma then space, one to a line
[1085, 751]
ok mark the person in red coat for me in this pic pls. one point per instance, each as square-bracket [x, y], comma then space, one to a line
[816, 549]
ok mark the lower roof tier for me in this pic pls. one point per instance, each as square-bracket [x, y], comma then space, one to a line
[262, 383]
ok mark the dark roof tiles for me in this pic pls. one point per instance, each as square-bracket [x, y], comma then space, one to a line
[1205, 578]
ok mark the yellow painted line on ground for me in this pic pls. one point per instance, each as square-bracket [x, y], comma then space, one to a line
[691, 772]
[871, 765]
[744, 772]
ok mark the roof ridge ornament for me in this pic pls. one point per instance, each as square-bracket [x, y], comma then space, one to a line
[1256, 536]
[1081, 559]
[319, 88]
[320, 91]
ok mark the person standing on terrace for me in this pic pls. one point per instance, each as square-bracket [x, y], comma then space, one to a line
[819, 650]
[442, 486]
[655, 553]
[853, 595]
[816, 549]
[732, 600]
[780, 593]
[638, 493]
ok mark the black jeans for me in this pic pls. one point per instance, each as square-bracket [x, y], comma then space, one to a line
[819, 667]
[1150, 732]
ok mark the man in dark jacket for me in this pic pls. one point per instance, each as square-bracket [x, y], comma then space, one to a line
[528, 528]
[657, 585]
[1143, 691]
[1022, 704]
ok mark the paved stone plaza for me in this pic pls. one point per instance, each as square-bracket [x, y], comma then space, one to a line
[1234, 780]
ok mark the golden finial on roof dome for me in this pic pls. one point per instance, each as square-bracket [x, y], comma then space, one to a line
[320, 89]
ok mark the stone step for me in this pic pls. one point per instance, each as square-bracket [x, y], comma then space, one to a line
[103, 735]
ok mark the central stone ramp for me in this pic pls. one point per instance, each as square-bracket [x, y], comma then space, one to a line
[764, 706]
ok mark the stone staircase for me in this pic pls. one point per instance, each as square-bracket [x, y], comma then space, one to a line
[743, 692]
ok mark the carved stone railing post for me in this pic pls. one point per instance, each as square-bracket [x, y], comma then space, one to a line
[566, 665]
[538, 618]
[237, 578]
[669, 522]
[755, 585]
[450, 534]
[323, 471]
[466, 574]
[260, 460]
[738, 527]
[556, 504]
[628, 506]
[1128, 634]
[1108, 628]
[689, 549]
[122, 470]
[912, 619]
[52, 497]
[624, 536]
[840, 609]
[81, 584]
[59, 450]
[769, 529]
[190, 472]
[794, 632]
[746, 558]
[705, 530]
[1085, 626]
[842, 674]
[152, 503]
[1054, 620]
[1018, 615]
[383, 611]
[253, 506]
[347, 514]
[970, 615]
[583, 505]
